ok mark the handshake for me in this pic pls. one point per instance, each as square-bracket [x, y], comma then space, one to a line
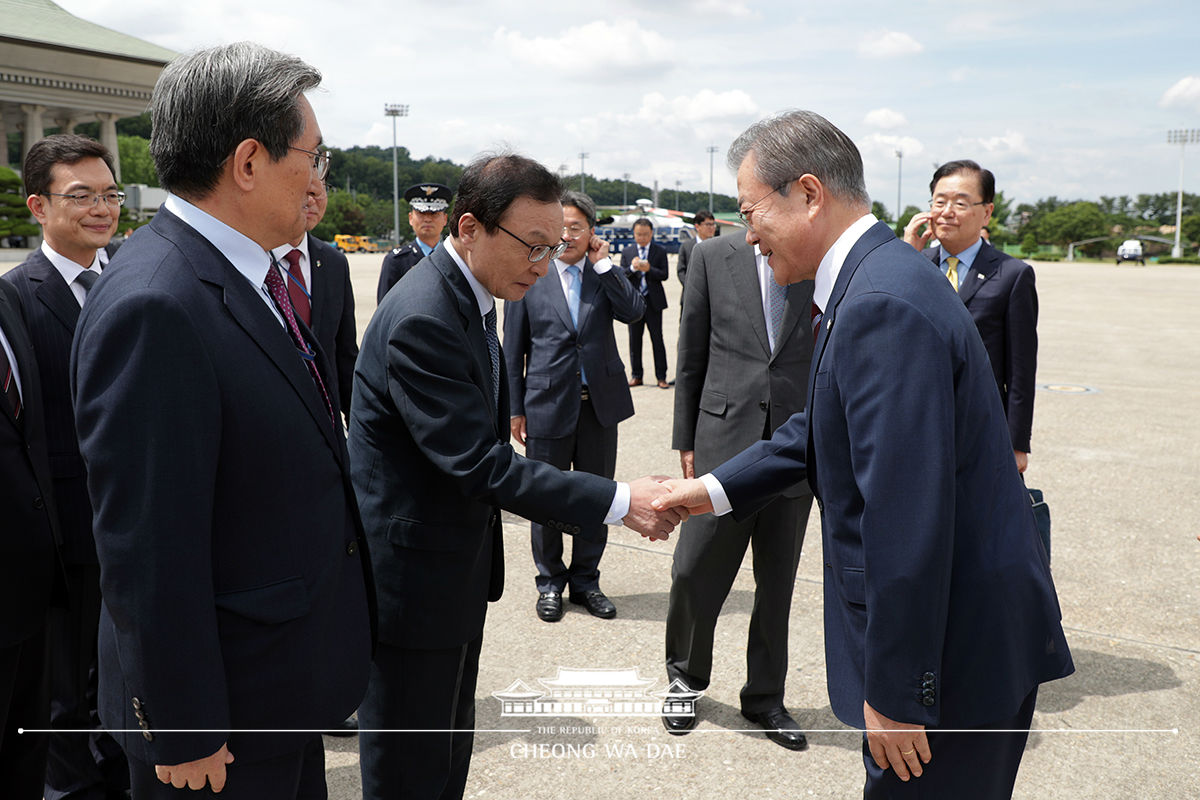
[658, 503]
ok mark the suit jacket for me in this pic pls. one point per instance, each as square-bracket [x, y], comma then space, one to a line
[544, 351]
[656, 254]
[51, 313]
[681, 264]
[1001, 295]
[396, 265]
[30, 572]
[333, 316]
[730, 388]
[939, 606]
[235, 586]
[433, 466]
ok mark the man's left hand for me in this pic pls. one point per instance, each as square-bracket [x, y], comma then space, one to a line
[1022, 460]
[899, 745]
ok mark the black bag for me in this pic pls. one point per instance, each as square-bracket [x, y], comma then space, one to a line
[1041, 515]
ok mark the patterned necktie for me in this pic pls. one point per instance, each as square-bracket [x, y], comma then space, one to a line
[816, 321]
[573, 287]
[644, 288]
[952, 271]
[493, 344]
[87, 279]
[296, 288]
[279, 294]
[777, 302]
[8, 385]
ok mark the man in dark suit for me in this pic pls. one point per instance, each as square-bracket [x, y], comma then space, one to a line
[705, 228]
[234, 576]
[427, 203]
[30, 572]
[433, 468]
[645, 264]
[999, 290]
[939, 607]
[318, 282]
[744, 350]
[72, 194]
[568, 392]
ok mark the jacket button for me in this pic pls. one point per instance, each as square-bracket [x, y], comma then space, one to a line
[148, 736]
[39, 503]
[762, 404]
[928, 676]
[928, 701]
[137, 704]
[351, 548]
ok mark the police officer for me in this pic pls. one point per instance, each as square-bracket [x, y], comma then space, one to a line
[428, 203]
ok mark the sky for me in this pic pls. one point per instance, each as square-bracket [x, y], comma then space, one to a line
[1063, 98]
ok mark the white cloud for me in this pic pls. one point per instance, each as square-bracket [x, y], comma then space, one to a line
[876, 145]
[728, 8]
[885, 118]
[1184, 94]
[888, 44]
[622, 46]
[1012, 142]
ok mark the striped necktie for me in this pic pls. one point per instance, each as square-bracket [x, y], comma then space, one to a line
[493, 345]
[279, 294]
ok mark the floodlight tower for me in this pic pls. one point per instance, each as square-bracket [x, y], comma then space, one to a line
[711, 151]
[392, 110]
[1182, 138]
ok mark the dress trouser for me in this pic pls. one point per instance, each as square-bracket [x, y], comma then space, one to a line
[296, 775]
[430, 694]
[24, 703]
[979, 766]
[706, 561]
[652, 321]
[592, 448]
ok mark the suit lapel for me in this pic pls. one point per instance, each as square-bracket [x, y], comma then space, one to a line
[588, 288]
[558, 297]
[22, 347]
[52, 291]
[982, 269]
[320, 290]
[743, 271]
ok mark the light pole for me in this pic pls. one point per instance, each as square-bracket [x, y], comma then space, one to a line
[899, 171]
[712, 149]
[677, 183]
[625, 190]
[392, 110]
[1182, 138]
[582, 180]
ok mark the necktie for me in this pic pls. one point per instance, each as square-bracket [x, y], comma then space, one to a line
[87, 279]
[493, 344]
[816, 321]
[279, 294]
[777, 302]
[296, 288]
[645, 287]
[8, 387]
[952, 271]
[573, 287]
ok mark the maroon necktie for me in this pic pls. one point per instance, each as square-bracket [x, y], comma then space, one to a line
[816, 321]
[8, 387]
[296, 288]
[279, 294]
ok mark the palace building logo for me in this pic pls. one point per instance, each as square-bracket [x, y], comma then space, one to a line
[596, 693]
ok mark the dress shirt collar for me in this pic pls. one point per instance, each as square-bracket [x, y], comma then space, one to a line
[831, 263]
[483, 298]
[424, 248]
[966, 258]
[280, 253]
[65, 266]
[247, 257]
[564, 266]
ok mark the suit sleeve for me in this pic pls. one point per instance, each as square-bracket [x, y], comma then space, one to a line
[894, 384]
[346, 345]
[628, 305]
[446, 412]
[517, 341]
[681, 265]
[659, 270]
[692, 355]
[152, 484]
[765, 469]
[1020, 371]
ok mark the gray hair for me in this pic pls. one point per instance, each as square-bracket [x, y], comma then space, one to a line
[581, 201]
[794, 143]
[208, 102]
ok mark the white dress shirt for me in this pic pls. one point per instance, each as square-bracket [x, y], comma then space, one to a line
[70, 270]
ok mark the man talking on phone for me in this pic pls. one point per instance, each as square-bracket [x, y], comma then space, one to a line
[568, 390]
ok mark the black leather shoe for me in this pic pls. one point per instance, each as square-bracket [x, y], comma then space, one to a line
[781, 728]
[596, 603]
[550, 607]
[348, 727]
[678, 725]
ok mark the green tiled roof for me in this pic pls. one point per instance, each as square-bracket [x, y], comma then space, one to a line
[44, 21]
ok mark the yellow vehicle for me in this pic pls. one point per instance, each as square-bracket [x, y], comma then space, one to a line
[369, 245]
[347, 243]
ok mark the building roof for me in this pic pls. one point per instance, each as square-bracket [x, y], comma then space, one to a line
[596, 678]
[44, 22]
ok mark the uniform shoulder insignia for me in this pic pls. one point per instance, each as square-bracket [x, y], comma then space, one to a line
[397, 250]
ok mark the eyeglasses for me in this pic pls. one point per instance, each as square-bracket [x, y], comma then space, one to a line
[320, 162]
[574, 232]
[747, 214]
[90, 199]
[961, 206]
[538, 251]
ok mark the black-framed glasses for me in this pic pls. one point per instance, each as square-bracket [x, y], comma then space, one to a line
[747, 215]
[90, 199]
[538, 251]
[958, 204]
[320, 162]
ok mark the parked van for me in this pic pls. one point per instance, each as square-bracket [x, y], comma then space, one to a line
[1131, 250]
[347, 243]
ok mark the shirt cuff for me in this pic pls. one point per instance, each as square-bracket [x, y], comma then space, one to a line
[620, 506]
[602, 266]
[716, 495]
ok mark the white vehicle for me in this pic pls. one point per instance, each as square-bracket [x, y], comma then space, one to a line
[1131, 250]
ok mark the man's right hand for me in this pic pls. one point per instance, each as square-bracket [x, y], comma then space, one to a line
[690, 494]
[645, 519]
[911, 235]
[687, 462]
[196, 774]
[517, 426]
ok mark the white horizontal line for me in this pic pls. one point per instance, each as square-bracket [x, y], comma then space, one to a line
[855, 731]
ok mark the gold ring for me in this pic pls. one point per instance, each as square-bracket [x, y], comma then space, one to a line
[908, 752]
